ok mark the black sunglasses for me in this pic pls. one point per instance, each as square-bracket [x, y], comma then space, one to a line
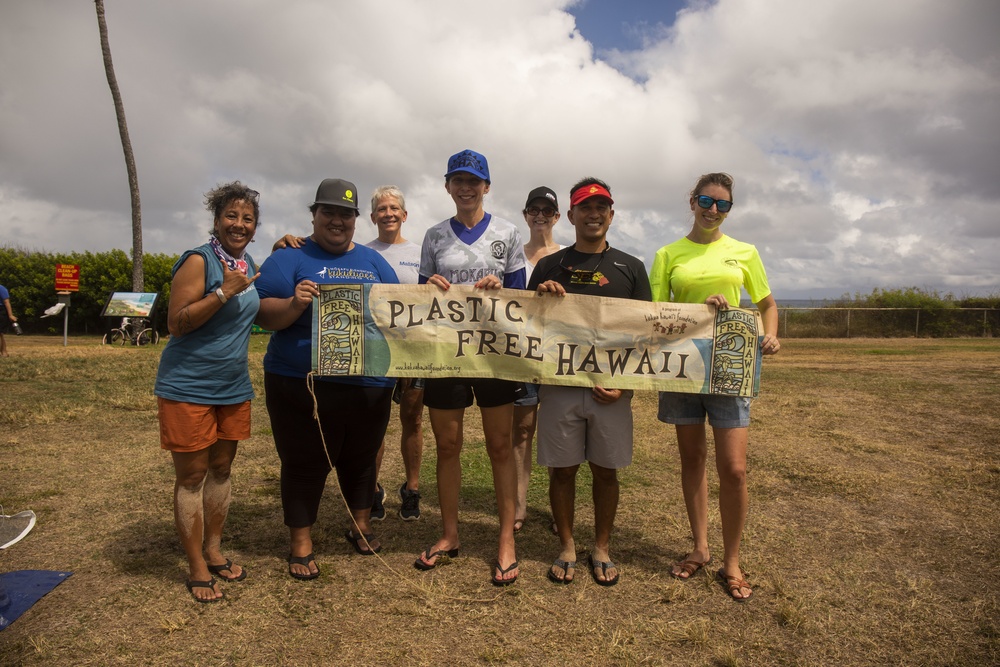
[721, 205]
[534, 210]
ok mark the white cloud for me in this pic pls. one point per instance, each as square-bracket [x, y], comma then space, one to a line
[862, 135]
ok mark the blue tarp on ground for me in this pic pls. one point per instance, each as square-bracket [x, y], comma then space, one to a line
[23, 588]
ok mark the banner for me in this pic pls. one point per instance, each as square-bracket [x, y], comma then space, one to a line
[423, 331]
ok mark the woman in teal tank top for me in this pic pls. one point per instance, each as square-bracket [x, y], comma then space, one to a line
[203, 384]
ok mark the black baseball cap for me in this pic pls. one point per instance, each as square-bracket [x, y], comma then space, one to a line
[542, 192]
[337, 192]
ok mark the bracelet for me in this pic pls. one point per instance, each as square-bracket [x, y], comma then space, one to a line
[222, 297]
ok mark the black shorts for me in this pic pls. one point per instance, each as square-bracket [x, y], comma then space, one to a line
[4, 320]
[457, 393]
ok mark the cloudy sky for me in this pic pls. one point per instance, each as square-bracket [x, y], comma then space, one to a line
[864, 135]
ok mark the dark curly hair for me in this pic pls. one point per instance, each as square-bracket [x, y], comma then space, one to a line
[221, 196]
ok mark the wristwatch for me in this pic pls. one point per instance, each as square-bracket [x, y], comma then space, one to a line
[222, 297]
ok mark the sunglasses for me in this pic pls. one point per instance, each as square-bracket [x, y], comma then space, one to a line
[534, 210]
[721, 205]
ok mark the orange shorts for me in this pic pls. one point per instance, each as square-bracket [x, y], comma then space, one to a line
[190, 427]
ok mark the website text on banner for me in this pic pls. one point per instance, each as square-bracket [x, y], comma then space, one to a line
[421, 331]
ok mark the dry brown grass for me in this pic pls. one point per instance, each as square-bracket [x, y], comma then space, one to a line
[872, 537]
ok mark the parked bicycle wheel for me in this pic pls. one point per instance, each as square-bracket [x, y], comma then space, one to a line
[118, 337]
[147, 336]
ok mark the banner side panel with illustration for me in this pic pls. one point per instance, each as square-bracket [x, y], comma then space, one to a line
[421, 331]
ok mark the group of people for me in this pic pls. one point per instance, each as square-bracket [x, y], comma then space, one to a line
[204, 391]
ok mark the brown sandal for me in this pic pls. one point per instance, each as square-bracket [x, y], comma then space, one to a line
[733, 585]
[688, 568]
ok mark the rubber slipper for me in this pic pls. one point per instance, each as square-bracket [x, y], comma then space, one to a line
[500, 581]
[565, 567]
[217, 570]
[605, 565]
[210, 584]
[362, 543]
[302, 560]
[422, 564]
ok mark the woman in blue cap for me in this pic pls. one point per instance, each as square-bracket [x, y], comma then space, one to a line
[476, 248]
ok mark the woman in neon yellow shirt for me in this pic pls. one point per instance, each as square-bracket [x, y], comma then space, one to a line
[706, 266]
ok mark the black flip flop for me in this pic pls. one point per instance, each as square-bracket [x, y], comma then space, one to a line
[361, 541]
[210, 584]
[302, 560]
[217, 570]
[427, 555]
[605, 565]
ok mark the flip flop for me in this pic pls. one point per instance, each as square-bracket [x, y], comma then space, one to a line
[497, 569]
[565, 567]
[688, 568]
[421, 563]
[605, 565]
[217, 570]
[733, 585]
[210, 584]
[359, 542]
[302, 560]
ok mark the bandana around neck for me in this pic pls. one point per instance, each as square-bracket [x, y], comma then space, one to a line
[233, 263]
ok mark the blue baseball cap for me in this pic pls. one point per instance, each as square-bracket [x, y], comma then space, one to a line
[470, 162]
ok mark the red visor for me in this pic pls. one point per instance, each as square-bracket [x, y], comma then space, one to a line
[588, 191]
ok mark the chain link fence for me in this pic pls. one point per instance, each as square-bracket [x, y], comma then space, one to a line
[888, 322]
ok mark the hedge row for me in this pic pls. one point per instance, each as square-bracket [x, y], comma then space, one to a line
[30, 277]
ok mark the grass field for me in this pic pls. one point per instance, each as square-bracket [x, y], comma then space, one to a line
[872, 539]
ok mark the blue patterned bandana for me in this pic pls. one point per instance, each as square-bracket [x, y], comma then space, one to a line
[233, 263]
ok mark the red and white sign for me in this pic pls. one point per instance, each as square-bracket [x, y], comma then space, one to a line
[67, 277]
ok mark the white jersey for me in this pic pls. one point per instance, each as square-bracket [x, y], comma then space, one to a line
[403, 257]
[498, 252]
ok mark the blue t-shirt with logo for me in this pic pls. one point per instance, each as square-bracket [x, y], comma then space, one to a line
[290, 351]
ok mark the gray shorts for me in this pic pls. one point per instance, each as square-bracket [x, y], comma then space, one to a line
[573, 428]
[722, 411]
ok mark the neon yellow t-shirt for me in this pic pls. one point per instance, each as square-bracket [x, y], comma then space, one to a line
[689, 272]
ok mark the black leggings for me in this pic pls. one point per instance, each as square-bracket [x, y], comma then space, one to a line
[354, 419]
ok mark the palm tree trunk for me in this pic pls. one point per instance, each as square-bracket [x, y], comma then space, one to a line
[133, 178]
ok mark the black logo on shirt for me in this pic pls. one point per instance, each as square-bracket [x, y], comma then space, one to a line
[499, 249]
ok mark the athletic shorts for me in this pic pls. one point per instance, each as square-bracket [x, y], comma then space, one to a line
[573, 428]
[530, 396]
[191, 427]
[404, 385]
[457, 393]
[686, 409]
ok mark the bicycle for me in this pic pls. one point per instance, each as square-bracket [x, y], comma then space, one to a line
[133, 329]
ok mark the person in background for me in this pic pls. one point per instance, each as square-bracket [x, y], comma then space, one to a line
[592, 424]
[203, 384]
[541, 213]
[476, 248]
[388, 215]
[6, 319]
[706, 266]
[352, 411]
